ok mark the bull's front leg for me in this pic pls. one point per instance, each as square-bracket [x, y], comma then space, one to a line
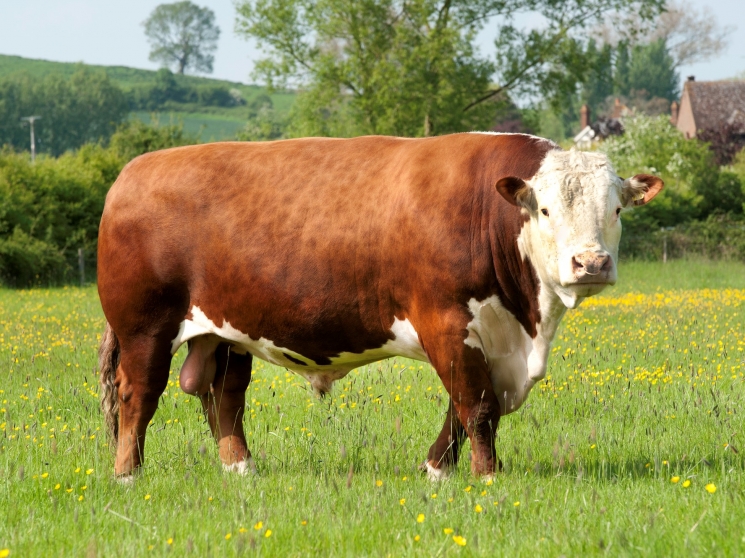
[465, 375]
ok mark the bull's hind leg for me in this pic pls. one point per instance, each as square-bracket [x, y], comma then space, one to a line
[141, 378]
[443, 454]
[224, 403]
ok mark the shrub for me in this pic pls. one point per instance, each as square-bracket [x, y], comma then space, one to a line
[695, 187]
[134, 138]
[724, 141]
[50, 209]
[718, 237]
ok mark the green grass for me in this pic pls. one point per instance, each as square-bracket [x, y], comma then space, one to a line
[205, 127]
[646, 383]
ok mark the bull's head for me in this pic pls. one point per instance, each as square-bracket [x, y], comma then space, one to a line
[573, 206]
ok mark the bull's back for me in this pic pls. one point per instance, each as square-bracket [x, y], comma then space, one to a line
[297, 237]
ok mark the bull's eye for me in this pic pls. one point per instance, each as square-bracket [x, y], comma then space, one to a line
[544, 211]
[618, 211]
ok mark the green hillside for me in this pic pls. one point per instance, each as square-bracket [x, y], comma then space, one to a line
[209, 123]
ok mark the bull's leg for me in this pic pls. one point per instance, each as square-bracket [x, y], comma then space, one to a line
[443, 454]
[464, 373]
[141, 378]
[223, 405]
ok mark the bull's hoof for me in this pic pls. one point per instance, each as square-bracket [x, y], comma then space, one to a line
[435, 474]
[241, 467]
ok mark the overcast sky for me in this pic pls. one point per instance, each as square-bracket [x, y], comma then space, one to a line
[110, 32]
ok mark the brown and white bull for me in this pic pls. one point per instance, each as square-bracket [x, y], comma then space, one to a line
[321, 255]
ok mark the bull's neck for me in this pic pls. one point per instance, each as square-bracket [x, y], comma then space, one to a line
[517, 267]
[551, 305]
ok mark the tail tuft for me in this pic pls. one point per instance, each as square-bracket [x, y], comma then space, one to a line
[108, 361]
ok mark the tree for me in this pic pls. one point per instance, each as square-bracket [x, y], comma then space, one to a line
[411, 67]
[184, 35]
[652, 69]
[690, 35]
[598, 85]
[87, 107]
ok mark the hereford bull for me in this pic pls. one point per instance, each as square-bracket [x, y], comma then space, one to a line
[321, 255]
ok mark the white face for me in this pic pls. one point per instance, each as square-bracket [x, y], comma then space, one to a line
[574, 204]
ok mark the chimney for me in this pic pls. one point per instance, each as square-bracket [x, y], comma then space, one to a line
[691, 78]
[584, 117]
[674, 113]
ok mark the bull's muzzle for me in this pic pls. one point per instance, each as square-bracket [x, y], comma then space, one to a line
[592, 267]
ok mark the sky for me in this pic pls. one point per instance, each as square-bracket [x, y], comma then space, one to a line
[110, 32]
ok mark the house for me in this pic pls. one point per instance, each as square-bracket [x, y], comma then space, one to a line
[709, 104]
[601, 128]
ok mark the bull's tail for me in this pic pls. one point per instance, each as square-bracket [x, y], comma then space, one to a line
[108, 361]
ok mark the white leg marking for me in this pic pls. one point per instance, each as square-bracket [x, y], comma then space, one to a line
[241, 467]
[436, 475]
[127, 480]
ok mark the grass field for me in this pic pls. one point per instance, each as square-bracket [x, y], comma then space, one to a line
[206, 123]
[634, 444]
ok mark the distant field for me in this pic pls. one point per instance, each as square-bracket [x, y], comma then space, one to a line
[633, 445]
[211, 123]
[206, 127]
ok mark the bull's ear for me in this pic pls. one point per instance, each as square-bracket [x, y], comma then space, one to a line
[640, 189]
[517, 192]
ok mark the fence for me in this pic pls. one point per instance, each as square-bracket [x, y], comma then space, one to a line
[718, 238]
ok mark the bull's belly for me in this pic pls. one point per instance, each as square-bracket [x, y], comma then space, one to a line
[405, 343]
[510, 353]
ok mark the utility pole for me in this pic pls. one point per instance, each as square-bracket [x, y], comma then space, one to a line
[31, 120]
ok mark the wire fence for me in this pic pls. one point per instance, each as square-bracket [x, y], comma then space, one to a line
[717, 238]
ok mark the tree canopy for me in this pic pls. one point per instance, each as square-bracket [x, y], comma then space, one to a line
[412, 67]
[87, 107]
[183, 35]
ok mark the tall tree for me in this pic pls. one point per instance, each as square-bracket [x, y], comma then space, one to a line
[652, 69]
[621, 74]
[410, 67]
[182, 35]
[598, 84]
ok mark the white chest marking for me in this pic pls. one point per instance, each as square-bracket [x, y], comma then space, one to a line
[516, 361]
[405, 343]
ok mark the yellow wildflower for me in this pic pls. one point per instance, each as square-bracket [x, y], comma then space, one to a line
[268, 533]
[259, 525]
[447, 530]
[460, 541]
[478, 508]
[420, 518]
[675, 480]
[686, 483]
[711, 488]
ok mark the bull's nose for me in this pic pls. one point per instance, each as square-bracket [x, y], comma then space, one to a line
[591, 263]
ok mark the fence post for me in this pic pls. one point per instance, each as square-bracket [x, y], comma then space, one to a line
[81, 266]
